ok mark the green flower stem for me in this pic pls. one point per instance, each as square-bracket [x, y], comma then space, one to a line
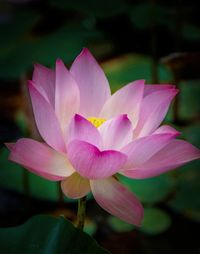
[81, 213]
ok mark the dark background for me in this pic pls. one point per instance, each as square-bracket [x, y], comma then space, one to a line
[153, 40]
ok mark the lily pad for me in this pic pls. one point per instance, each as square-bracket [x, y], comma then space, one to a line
[155, 221]
[150, 190]
[118, 225]
[44, 234]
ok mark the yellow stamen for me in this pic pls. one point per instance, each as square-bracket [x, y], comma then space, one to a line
[96, 121]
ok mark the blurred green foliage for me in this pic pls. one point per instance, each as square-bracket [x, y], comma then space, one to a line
[155, 221]
[143, 14]
[17, 58]
[151, 190]
[11, 174]
[100, 9]
[118, 225]
[130, 67]
[41, 31]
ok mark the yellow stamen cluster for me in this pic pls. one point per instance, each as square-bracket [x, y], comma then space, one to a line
[96, 121]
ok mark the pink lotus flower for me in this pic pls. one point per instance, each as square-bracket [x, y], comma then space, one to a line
[90, 135]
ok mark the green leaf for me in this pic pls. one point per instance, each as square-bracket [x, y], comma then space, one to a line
[155, 221]
[150, 190]
[47, 235]
[118, 225]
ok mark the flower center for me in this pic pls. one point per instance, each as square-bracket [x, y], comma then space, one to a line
[96, 121]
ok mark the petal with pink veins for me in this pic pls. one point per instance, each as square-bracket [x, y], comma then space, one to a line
[173, 155]
[117, 200]
[153, 110]
[47, 176]
[116, 132]
[44, 79]
[46, 120]
[9, 145]
[155, 88]
[93, 85]
[81, 129]
[75, 186]
[40, 159]
[92, 163]
[66, 94]
[126, 100]
[166, 129]
[142, 149]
